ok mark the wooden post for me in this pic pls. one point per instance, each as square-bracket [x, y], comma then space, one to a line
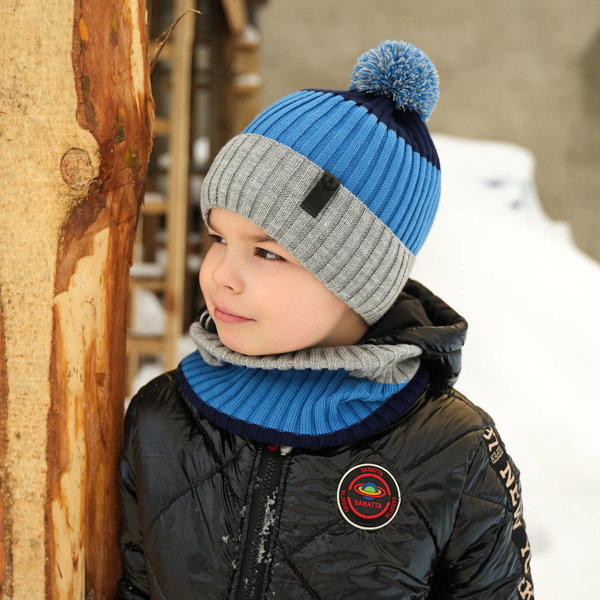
[76, 117]
[221, 80]
[179, 150]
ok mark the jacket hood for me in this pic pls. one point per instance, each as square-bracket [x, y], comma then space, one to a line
[420, 318]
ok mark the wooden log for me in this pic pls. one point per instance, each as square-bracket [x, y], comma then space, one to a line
[5, 534]
[76, 117]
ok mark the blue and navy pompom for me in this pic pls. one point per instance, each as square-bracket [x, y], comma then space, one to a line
[401, 71]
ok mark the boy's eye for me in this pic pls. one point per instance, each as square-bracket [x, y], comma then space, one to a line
[268, 255]
[217, 238]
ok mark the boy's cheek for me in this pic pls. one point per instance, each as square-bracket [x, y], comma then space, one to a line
[204, 276]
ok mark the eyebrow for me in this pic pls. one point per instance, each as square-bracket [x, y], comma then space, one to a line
[257, 239]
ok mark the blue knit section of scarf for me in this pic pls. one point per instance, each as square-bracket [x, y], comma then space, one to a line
[306, 408]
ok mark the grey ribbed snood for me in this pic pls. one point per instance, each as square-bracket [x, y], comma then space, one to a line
[382, 363]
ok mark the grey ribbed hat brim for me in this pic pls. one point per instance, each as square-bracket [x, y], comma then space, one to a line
[346, 246]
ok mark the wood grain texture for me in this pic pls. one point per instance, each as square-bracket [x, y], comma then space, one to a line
[4, 524]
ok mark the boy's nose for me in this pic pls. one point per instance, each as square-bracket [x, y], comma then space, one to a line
[227, 274]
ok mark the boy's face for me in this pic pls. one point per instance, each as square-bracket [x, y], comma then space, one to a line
[262, 299]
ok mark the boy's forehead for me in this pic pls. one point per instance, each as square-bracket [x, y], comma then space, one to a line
[221, 217]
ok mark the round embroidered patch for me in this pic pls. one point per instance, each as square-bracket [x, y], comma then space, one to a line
[368, 496]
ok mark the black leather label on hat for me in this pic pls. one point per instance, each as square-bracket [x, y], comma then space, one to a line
[321, 193]
[368, 496]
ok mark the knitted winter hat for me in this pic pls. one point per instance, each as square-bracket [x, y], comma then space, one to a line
[348, 181]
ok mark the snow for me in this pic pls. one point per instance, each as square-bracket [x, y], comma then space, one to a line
[531, 299]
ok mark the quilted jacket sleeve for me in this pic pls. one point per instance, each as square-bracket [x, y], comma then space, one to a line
[134, 583]
[488, 554]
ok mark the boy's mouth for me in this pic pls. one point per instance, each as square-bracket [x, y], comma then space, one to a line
[227, 317]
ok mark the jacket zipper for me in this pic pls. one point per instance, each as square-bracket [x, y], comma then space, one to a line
[261, 525]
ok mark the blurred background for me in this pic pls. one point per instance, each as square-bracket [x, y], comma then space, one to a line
[515, 246]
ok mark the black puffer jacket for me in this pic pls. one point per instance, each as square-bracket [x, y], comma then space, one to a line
[428, 508]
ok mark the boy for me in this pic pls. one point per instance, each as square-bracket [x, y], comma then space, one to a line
[313, 447]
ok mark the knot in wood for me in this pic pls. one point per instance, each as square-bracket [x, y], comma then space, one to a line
[77, 169]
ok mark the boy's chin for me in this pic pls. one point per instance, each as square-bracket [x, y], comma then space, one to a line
[243, 350]
[238, 345]
[252, 347]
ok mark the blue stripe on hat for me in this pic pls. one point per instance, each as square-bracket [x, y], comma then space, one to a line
[372, 160]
